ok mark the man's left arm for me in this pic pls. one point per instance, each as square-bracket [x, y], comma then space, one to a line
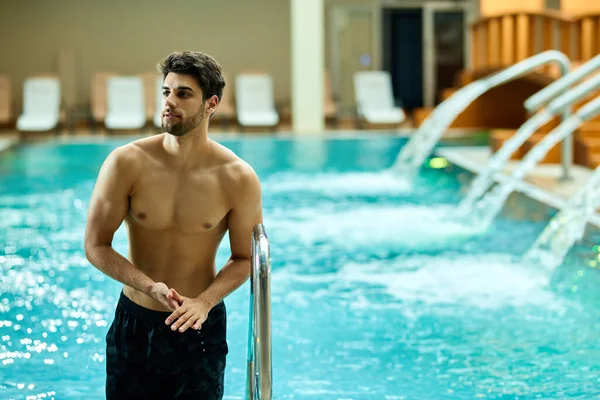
[245, 213]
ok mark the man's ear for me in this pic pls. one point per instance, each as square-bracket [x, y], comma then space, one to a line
[212, 104]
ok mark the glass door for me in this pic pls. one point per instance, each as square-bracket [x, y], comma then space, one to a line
[445, 47]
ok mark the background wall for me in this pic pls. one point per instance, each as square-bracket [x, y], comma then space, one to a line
[130, 37]
[494, 7]
[580, 7]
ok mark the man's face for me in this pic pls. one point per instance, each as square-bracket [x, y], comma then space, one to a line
[183, 108]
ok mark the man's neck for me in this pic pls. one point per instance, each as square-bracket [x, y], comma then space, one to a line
[189, 150]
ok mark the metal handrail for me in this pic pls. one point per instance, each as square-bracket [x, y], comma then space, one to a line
[488, 207]
[260, 373]
[554, 89]
[498, 160]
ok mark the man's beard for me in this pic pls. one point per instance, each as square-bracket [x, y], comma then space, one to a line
[185, 125]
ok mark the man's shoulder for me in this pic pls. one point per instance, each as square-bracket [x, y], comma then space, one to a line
[239, 172]
[234, 170]
[132, 153]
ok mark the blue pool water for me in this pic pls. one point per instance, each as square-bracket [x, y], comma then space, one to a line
[374, 295]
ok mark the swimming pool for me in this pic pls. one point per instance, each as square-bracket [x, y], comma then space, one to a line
[374, 296]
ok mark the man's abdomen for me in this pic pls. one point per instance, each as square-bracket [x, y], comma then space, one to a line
[185, 263]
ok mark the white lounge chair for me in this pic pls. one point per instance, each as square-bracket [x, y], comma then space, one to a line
[41, 104]
[375, 99]
[125, 107]
[255, 101]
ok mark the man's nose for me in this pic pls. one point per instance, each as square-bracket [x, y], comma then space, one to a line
[169, 101]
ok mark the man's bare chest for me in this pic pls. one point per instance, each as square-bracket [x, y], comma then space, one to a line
[191, 205]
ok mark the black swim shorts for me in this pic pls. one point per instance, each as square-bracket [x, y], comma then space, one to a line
[145, 359]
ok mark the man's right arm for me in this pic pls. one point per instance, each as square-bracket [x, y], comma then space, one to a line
[107, 210]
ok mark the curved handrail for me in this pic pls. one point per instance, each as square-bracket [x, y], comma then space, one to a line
[555, 88]
[498, 160]
[486, 209]
[260, 371]
[421, 143]
[577, 93]
[552, 90]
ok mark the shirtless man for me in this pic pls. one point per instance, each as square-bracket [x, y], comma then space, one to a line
[179, 193]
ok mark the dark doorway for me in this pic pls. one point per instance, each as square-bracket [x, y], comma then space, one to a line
[403, 54]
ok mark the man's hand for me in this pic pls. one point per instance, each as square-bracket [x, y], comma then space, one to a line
[168, 297]
[192, 313]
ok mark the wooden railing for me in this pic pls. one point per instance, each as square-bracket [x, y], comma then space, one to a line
[502, 40]
[587, 29]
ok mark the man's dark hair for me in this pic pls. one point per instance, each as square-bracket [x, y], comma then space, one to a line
[204, 68]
